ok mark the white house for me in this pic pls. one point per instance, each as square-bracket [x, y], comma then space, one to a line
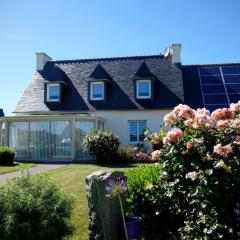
[67, 99]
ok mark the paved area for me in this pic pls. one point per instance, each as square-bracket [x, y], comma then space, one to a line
[34, 170]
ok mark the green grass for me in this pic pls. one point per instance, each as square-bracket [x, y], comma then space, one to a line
[72, 179]
[16, 167]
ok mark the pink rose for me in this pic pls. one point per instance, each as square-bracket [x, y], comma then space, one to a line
[173, 135]
[155, 155]
[223, 151]
[222, 165]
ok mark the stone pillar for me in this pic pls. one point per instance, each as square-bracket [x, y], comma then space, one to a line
[104, 211]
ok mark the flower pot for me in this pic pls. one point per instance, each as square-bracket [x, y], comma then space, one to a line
[133, 228]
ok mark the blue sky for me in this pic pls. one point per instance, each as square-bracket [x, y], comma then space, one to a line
[72, 29]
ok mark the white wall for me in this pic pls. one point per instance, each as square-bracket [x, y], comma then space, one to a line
[117, 121]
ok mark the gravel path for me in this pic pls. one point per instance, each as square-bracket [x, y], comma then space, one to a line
[34, 170]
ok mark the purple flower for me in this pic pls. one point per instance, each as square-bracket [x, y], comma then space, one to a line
[116, 186]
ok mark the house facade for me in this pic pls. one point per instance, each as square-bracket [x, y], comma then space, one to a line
[67, 99]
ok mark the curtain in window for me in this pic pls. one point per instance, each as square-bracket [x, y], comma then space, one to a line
[18, 138]
[61, 139]
[82, 128]
[40, 140]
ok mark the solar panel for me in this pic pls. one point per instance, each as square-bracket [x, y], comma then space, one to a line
[216, 79]
[213, 89]
[231, 69]
[232, 78]
[209, 71]
[220, 85]
[233, 88]
[215, 99]
[234, 98]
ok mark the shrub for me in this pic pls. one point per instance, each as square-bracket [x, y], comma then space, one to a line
[145, 199]
[33, 207]
[199, 190]
[7, 156]
[138, 153]
[103, 144]
[123, 155]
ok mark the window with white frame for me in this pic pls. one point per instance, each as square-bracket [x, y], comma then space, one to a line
[136, 131]
[53, 92]
[96, 91]
[143, 89]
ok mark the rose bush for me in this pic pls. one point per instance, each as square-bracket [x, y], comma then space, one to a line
[199, 185]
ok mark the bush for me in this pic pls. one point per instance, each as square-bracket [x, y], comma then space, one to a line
[33, 207]
[145, 199]
[199, 188]
[138, 153]
[103, 144]
[140, 181]
[122, 155]
[7, 156]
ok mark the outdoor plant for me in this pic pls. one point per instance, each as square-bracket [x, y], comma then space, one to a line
[198, 191]
[138, 153]
[7, 156]
[145, 198]
[33, 207]
[115, 188]
[155, 139]
[103, 144]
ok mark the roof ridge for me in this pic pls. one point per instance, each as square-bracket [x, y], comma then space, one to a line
[211, 64]
[108, 59]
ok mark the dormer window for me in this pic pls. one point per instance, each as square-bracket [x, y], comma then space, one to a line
[143, 89]
[96, 91]
[53, 92]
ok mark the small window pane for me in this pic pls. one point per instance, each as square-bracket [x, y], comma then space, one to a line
[53, 92]
[143, 88]
[142, 129]
[97, 91]
[133, 131]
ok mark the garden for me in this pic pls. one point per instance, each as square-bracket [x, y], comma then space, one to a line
[187, 187]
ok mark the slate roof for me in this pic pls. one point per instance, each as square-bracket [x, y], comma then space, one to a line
[120, 73]
[1, 113]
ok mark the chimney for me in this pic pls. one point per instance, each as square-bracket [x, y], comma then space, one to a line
[174, 53]
[42, 59]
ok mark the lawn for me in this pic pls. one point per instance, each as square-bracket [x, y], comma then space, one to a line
[72, 179]
[16, 167]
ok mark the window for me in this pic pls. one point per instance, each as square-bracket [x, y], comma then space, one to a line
[136, 131]
[97, 91]
[143, 89]
[53, 92]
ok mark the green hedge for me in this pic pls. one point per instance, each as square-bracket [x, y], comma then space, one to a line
[33, 207]
[7, 156]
